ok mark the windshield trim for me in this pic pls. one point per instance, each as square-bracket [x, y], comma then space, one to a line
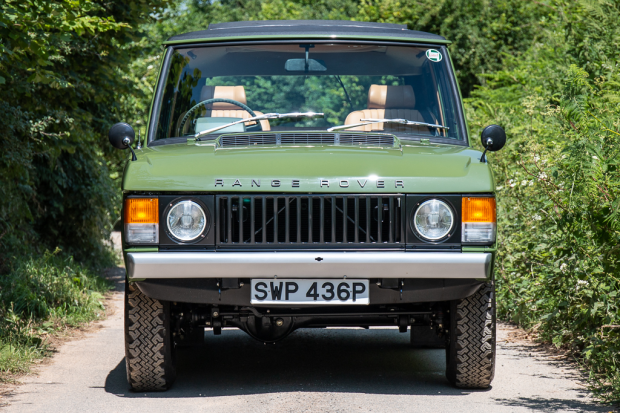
[455, 91]
[157, 97]
[456, 95]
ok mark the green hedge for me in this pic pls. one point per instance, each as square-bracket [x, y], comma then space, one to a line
[558, 185]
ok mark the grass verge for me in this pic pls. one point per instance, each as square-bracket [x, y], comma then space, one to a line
[40, 297]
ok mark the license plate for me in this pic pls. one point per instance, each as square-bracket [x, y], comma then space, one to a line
[296, 291]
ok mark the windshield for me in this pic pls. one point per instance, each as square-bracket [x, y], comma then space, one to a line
[213, 86]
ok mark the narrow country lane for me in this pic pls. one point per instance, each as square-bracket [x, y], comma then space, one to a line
[321, 370]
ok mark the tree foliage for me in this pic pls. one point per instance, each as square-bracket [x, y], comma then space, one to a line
[483, 32]
[61, 79]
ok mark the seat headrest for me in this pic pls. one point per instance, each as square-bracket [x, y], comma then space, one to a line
[387, 97]
[224, 92]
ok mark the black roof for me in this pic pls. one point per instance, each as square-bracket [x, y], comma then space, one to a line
[306, 28]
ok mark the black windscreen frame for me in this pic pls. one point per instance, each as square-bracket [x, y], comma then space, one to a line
[156, 104]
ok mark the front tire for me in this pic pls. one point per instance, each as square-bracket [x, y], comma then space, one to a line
[149, 350]
[471, 352]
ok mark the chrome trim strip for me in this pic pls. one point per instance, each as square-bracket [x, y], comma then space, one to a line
[388, 264]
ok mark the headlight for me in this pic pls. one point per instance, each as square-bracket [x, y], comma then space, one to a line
[186, 221]
[433, 220]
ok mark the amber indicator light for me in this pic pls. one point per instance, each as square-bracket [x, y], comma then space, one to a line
[142, 211]
[479, 209]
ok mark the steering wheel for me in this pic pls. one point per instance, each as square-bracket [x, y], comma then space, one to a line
[207, 101]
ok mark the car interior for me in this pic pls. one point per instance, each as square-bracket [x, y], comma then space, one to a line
[384, 102]
[390, 102]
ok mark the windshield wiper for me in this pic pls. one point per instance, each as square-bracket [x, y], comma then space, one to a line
[400, 121]
[262, 117]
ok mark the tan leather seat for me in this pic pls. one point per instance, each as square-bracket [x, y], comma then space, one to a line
[229, 110]
[388, 102]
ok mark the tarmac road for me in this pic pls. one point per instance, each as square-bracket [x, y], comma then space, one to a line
[319, 370]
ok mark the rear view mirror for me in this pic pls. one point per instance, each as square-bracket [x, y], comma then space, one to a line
[299, 65]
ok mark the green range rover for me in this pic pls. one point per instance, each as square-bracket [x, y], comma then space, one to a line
[307, 174]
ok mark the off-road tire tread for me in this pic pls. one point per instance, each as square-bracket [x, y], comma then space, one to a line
[471, 363]
[147, 343]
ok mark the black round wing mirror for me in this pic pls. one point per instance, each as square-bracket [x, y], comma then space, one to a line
[493, 138]
[122, 136]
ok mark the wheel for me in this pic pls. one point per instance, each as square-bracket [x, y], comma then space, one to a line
[470, 354]
[149, 352]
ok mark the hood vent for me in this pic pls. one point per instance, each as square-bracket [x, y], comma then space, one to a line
[304, 139]
[308, 138]
[232, 141]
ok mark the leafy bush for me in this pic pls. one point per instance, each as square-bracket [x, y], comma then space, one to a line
[61, 86]
[61, 75]
[559, 185]
[40, 296]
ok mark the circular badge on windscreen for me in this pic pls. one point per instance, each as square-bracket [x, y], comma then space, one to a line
[434, 55]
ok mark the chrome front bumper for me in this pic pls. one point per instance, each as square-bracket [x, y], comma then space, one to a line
[388, 264]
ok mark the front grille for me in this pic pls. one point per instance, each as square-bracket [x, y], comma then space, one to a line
[338, 139]
[329, 220]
